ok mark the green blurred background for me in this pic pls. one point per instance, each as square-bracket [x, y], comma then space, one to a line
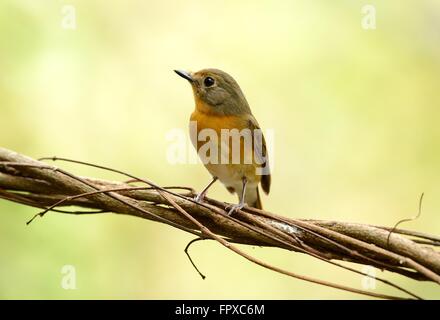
[355, 113]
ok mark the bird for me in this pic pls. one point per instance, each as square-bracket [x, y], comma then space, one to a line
[221, 108]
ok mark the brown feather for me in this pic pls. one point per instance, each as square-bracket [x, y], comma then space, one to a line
[266, 178]
[265, 183]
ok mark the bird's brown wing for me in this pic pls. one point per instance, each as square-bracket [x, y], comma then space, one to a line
[261, 153]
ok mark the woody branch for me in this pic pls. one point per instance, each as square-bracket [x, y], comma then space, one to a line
[39, 184]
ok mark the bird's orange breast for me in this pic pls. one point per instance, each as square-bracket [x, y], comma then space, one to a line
[206, 117]
[230, 171]
[216, 122]
[206, 121]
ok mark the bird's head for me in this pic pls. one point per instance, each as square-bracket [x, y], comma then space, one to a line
[216, 91]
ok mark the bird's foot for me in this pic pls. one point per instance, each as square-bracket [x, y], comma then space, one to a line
[234, 208]
[199, 197]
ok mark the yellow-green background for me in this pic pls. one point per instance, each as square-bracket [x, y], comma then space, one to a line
[355, 113]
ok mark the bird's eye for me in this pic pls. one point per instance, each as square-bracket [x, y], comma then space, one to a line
[208, 81]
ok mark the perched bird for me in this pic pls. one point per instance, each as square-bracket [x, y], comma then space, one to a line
[221, 107]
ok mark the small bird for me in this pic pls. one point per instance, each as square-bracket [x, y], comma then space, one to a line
[221, 106]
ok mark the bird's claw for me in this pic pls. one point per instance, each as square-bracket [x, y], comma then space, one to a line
[234, 208]
[199, 197]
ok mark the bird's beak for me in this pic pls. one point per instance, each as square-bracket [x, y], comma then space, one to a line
[184, 75]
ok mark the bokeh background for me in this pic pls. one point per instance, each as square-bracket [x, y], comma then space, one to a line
[355, 114]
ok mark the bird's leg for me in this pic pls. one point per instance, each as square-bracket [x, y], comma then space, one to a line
[241, 204]
[200, 196]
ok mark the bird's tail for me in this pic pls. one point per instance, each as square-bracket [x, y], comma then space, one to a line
[252, 198]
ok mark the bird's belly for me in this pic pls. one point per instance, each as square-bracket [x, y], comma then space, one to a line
[224, 162]
[231, 174]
